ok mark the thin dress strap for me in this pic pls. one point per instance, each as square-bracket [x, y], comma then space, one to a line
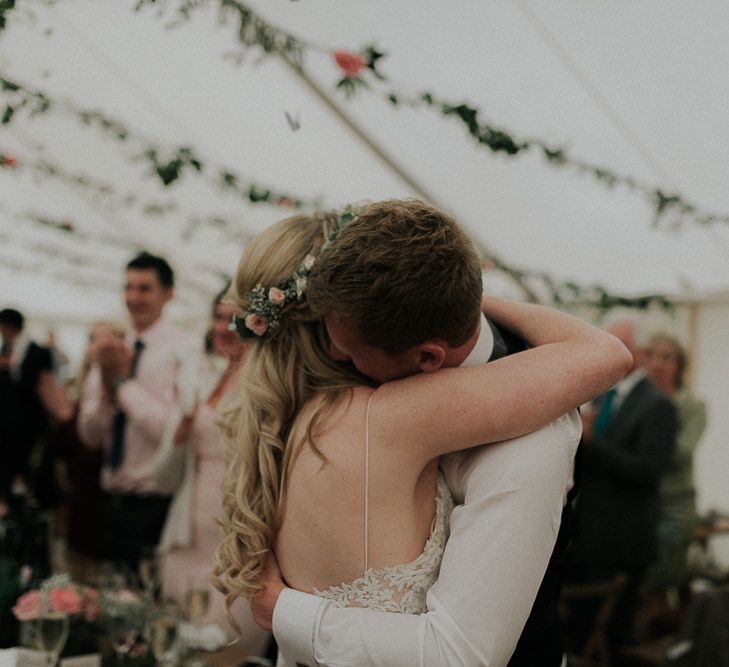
[367, 485]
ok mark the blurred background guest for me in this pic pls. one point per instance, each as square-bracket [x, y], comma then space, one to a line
[84, 499]
[629, 437]
[192, 532]
[30, 398]
[666, 362]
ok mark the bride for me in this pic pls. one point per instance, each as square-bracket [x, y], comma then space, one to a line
[339, 476]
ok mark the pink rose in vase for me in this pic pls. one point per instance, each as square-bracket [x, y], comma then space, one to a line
[91, 605]
[65, 599]
[29, 606]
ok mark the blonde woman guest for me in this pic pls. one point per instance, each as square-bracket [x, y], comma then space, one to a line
[666, 362]
[341, 478]
[187, 561]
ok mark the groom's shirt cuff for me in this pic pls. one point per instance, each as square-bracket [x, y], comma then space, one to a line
[296, 619]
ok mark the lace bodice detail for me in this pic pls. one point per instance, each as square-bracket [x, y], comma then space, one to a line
[401, 588]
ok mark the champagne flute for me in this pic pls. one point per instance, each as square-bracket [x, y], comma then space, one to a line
[197, 601]
[122, 630]
[51, 634]
[162, 633]
[149, 574]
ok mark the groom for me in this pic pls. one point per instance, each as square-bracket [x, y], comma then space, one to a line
[392, 310]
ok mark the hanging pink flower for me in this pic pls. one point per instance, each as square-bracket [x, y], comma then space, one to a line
[286, 202]
[257, 323]
[349, 62]
[66, 600]
[9, 161]
[29, 605]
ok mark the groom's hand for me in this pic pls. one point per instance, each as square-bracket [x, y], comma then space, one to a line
[263, 603]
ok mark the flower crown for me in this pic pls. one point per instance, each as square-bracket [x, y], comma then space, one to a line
[267, 303]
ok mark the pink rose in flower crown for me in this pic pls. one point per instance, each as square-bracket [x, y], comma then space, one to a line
[276, 296]
[256, 323]
[350, 63]
[29, 606]
[65, 599]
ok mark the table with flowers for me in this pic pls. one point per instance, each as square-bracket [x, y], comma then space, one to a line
[126, 627]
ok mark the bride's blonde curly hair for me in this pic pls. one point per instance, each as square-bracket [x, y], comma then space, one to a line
[287, 367]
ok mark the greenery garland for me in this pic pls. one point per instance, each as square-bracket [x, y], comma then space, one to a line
[360, 70]
[85, 263]
[255, 32]
[167, 164]
[6, 6]
[110, 197]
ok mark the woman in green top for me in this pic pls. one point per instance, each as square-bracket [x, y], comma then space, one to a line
[666, 362]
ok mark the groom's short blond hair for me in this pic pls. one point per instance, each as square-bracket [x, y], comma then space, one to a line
[404, 272]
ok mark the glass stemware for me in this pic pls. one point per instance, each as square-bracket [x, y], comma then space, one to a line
[122, 631]
[149, 575]
[197, 601]
[161, 633]
[51, 630]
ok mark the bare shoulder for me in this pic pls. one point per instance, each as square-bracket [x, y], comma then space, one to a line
[335, 425]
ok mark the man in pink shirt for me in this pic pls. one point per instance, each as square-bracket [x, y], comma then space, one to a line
[128, 399]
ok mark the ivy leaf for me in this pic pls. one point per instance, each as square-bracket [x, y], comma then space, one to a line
[256, 195]
[9, 85]
[556, 156]
[7, 114]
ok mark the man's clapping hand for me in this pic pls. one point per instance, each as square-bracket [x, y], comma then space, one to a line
[114, 359]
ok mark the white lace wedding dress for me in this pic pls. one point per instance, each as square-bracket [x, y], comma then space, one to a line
[401, 588]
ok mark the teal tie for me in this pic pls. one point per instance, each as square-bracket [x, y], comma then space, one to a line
[602, 420]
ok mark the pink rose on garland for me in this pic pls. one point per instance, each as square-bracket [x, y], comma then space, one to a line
[257, 323]
[9, 161]
[66, 600]
[350, 63]
[276, 296]
[29, 605]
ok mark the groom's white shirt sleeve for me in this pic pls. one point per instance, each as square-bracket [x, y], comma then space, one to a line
[502, 536]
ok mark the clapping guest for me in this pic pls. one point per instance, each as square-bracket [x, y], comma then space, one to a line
[126, 405]
[192, 532]
[666, 362]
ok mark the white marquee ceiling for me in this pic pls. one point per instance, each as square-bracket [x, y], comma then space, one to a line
[640, 88]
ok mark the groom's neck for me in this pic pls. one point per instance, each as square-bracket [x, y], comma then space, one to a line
[455, 356]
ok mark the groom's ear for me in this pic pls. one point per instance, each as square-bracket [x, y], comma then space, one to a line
[431, 356]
